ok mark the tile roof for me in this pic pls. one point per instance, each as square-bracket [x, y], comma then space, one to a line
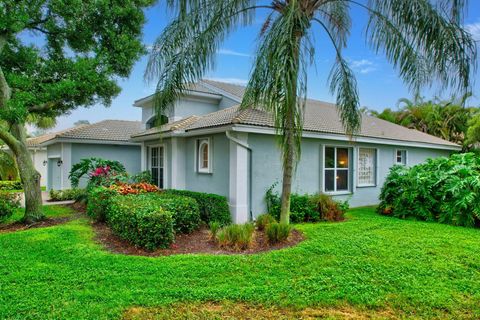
[171, 126]
[107, 130]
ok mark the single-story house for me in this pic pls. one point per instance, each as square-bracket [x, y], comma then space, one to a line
[210, 145]
[109, 139]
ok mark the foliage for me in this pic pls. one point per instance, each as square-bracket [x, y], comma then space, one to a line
[398, 268]
[214, 228]
[99, 171]
[473, 131]
[425, 42]
[142, 177]
[98, 202]
[133, 188]
[263, 220]
[8, 167]
[307, 208]
[448, 120]
[10, 185]
[277, 232]
[212, 206]
[67, 194]
[8, 203]
[236, 236]
[185, 211]
[446, 190]
[140, 221]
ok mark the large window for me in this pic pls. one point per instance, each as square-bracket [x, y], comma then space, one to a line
[367, 165]
[203, 156]
[157, 166]
[337, 169]
[401, 157]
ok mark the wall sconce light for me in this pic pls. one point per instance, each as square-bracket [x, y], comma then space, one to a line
[45, 162]
[59, 163]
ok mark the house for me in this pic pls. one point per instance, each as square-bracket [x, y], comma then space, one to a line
[209, 144]
[109, 139]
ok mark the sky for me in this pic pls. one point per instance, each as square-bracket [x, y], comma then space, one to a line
[378, 83]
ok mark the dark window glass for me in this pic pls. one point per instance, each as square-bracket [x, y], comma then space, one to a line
[329, 157]
[329, 180]
[342, 180]
[155, 176]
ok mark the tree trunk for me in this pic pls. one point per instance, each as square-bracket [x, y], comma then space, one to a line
[30, 178]
[287, 177]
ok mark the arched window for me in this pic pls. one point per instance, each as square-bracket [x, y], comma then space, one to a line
[203, 154]
[154, 122]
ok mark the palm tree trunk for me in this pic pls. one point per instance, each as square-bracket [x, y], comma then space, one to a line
[287, 176]
[30, 178]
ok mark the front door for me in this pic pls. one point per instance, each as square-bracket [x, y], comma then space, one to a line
[157, 165]
[54, 174]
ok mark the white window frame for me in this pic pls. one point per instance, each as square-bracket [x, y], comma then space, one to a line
[199, 155]
[395, 157]
[349, 170]
[375, 168]
[149, 162]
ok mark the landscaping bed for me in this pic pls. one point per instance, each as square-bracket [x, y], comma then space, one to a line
[198, 241]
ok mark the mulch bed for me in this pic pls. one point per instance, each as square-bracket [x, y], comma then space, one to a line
[19, 226]
[197, 242]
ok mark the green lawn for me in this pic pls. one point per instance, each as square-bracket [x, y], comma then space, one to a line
[51, 211]
[369, 262]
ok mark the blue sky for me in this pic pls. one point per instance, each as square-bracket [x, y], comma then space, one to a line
[378, 82]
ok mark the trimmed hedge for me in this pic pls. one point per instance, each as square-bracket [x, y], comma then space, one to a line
[98, 202]
[139, 220]
[185, 211]
[212, 206]
[67, 194]
[9, 201]
[10, 185]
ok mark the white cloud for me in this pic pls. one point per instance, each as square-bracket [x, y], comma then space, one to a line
[227, 52]
[362, 66]
[474, 30]
[230, 80]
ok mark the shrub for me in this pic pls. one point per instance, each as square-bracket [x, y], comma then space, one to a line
[185, 211]
[133, 188]
[446, 190]
[98, 202]
[140, 221]
[277, 232]
[212, 207]
[10, 185]
[67, 194]
[329, 209]
[142, 177]
[236, 236]
[214, 227]
[263, 220]
[99, 171]
[8, 203]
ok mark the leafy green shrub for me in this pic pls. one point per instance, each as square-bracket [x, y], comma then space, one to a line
[212, 206]
[307, 208]
[236, 236]
[139, 220]
[446, 190]
[277, 232]
[184, 210]
[99, 171]
[214, 227]
[67, 194]
[10, 185]
[263, 220]
[142, 177]
[98, 202]
[8, 203]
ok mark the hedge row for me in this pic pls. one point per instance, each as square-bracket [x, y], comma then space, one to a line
[67, 194]
[212, 206]
[10, 185]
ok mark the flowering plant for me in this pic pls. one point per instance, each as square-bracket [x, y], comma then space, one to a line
[99, 172]
[133, 188]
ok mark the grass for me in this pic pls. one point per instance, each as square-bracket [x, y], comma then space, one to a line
[369, 263]
[44, 188]
[51, 211]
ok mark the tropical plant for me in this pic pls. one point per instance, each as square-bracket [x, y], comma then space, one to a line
[277, 232]
[423, 39]
[263, 220]
[446, 190]
[236, 236]
[8, 167]
[96, 169]
[76, 54]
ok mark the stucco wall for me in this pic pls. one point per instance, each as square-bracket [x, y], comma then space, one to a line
[38, 157]
[267, 168]
[129, 156]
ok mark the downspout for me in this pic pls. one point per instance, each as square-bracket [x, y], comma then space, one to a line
[250, 151]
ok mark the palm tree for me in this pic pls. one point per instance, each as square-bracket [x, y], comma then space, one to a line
[423, 39]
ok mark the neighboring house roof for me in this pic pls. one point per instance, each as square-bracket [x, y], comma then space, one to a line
[107, 130]
[320, 117]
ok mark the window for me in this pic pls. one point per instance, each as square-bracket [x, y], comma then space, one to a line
[367, 163]
[203, 155]
[401, 157]
[337, 169]
[157, 166]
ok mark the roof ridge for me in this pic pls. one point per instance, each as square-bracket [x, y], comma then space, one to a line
[184, 122]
